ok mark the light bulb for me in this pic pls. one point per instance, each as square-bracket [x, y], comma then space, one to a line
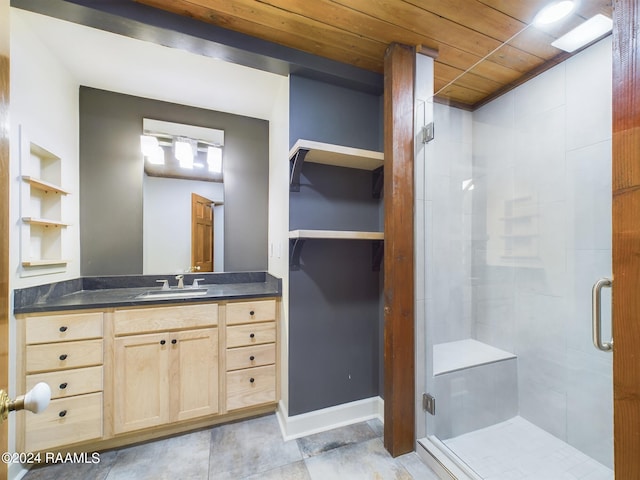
[184, 153]
[214, 159]
[553, 12]
[148, 144]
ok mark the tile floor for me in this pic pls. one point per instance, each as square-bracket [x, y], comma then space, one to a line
[251, 450]
[518, 450]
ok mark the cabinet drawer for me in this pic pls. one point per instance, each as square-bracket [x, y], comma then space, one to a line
[253, 334]
[57, 356]
[252, 386]
[63, 328]
[66, 383]
[149, 320]
[253, 356]
[65, 421]
[248, 312]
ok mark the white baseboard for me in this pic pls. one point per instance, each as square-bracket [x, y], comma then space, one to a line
[16, 471]
[329, 418]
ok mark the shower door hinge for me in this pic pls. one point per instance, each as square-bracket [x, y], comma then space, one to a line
[428, 132]
[429, 403]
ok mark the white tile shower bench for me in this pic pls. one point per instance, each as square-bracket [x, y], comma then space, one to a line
[475, 385]
[453, 356]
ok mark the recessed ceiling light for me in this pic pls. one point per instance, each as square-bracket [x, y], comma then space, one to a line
[553, 12]
[584, 34]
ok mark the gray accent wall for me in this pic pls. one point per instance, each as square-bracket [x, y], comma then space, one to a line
[111, 175]
[335, 314]
[333, 114]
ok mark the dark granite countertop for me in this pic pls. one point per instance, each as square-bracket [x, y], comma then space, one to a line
[123, 291]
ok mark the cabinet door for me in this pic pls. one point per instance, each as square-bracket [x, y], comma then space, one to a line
[141, 381]
[194, 366]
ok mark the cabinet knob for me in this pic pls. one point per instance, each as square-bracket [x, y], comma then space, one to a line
[252, 335]
[63, 386]
[62, 413]
[63, 329]
[252, 313]
[252, 380]
[63, 357]
[162, 342]
[174, 341]
[252, 358]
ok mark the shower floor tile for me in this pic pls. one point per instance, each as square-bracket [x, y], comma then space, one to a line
[517, 449]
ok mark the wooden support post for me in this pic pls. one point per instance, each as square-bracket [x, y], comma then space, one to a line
[626, 238]
[399, 341]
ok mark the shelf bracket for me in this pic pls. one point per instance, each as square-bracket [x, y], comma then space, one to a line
[295, 247]
[295, 167]
[377, 254]
[377, 182]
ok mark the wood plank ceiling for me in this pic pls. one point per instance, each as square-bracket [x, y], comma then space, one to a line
[357, 32]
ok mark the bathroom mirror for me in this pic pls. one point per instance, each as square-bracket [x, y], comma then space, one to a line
[186, 188]
[112, 181]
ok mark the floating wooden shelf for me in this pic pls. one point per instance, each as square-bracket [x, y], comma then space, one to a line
[336, 235]
[329, 154]
[297, 239]
[44, 262]
[44, 186]
[338, 155]
[44, 222]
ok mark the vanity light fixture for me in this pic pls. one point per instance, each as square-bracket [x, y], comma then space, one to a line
[553, 12]
[214, 159]
[184, 152]
[584, 33]
[151, 149]
[157, 156]
[178, 150]
[148, 143]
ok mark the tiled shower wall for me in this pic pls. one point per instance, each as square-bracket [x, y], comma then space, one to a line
[518, 228]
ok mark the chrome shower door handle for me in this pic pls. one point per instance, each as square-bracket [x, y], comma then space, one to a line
[596, 311]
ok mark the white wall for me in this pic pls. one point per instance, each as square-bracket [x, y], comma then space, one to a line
[166, 214]
[279, 221]
[44, 105]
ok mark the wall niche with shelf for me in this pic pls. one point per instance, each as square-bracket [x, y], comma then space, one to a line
[336, 242]
[42, 210]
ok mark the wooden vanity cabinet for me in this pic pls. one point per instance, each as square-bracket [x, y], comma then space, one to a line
[251, 354]
[124, 375]
[167, 375]
[66, 352]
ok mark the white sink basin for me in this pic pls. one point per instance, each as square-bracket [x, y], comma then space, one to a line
[174, 293]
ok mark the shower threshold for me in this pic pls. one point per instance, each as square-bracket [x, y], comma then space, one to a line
[515, 449]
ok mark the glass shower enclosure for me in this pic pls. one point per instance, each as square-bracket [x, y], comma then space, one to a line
[516, 212]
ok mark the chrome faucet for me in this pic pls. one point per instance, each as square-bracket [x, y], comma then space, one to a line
[180, 279]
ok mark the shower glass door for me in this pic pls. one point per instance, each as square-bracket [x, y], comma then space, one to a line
[517, 219]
